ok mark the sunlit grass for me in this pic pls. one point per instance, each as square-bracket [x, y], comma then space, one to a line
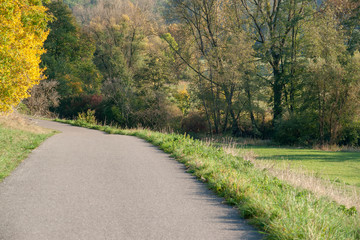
[336, 166]
[17, 140]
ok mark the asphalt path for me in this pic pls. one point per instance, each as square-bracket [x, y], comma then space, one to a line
[86, 184]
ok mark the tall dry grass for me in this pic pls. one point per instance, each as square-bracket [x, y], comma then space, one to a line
[237, 141]
[18, 121]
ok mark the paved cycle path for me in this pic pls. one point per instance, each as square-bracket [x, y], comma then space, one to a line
[86, 184]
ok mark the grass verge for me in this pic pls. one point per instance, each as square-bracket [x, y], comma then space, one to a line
[279, 209]
[18, 138]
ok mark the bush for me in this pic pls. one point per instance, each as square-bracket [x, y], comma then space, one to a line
[70, 107]
[194, 122]
[350, 135]
[88, 117]
[43, 97]
[160, 116]
[23, 109]
[299, 129]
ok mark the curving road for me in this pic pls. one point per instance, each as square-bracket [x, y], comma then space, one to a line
[85, 184]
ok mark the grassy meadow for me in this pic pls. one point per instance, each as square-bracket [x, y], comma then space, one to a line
[338, 166]
[18, 137]
[278, 208]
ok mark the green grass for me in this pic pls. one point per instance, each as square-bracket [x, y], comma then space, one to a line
[15, 146]
[279, 209]
[339, 166]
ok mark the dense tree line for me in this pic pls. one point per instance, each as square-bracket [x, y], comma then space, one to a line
[283, 69]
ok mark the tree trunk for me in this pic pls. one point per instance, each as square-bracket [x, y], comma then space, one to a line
[321, 120]
[229, 96]
[224, 128]
[235, 126]
[250, 108]
[277, 91]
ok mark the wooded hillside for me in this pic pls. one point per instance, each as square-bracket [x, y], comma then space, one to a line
[282, 69]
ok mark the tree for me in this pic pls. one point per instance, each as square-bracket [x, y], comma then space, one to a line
[23, 30]
[328, 92]
[220, 55]
[133, 60]
[119, 47]
[273, 24]
[348, 14]
[74, 3]
[69, 55]
[333, 76]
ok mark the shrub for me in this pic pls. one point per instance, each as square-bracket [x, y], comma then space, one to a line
[350, 135]
[88, 117]
[194, 122]
[70, 107]
[43, 97]
[296, 130]
[160, 116]
[113, 114]
[23, 109]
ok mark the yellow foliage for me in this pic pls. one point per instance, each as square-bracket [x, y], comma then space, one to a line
[183, 100]
[23, 30]
[126, 18]
[183, 95]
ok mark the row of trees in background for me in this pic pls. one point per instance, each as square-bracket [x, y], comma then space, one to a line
[114, 63]
[294, 56]
[283, 69]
